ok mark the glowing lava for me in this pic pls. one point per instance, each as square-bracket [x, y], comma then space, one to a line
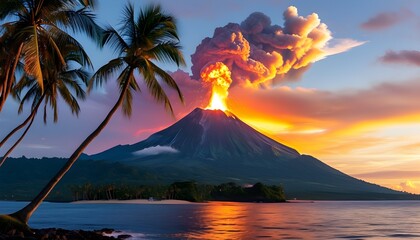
[219, 76]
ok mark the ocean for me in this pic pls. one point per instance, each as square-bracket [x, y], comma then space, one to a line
[228, 220]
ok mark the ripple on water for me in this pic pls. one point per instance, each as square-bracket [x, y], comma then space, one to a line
[318, 220]
[403, 235]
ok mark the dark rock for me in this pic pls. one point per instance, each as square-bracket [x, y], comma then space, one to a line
[124, 236]
[60, 234]
[106, 230]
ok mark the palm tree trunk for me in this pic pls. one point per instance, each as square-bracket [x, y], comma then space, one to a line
[9, 79]
[31, 116]
[6, 155]
[25, 213]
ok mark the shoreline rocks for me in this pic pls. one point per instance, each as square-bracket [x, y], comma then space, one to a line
[61, 234]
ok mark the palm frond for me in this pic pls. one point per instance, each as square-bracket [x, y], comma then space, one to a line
[101, 76]
[114, 40]
[32, 58]
[84, 21]
[126, 75]
[51, 42]
[51, 100]
[69, 99]
[9, 8]
[74, 85]
[154, 87]
[165, 77]
[152, 35]
[74, 50]
[32, 93]
[128, 26]
[156, 26]
[167, 52]
[127, 104]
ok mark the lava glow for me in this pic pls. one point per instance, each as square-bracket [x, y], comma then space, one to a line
[219, 76]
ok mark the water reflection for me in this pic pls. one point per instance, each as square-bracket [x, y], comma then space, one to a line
[247, 221]
[224, 220]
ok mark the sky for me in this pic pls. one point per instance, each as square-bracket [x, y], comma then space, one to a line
[345, 90]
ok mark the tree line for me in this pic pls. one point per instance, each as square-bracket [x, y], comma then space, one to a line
[187, 190]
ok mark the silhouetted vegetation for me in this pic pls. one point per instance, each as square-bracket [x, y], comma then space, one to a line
[256, 193]
[21, 178]
[188, 190]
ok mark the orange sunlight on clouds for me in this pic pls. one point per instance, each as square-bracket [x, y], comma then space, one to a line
[346, 133]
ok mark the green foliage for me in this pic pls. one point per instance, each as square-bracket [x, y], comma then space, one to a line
[257, 193]
[22, 178]
[37, 32]
[100, 180]
[142, 40]
[188, 190]
[261, 192]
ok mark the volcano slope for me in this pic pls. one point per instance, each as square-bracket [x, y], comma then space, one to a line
[212, 146]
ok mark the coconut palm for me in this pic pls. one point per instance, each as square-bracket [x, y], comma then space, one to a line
[152, 36]
[54, 71]
[68, 83]
[29, 21]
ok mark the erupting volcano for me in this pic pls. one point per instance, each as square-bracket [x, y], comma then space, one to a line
[213, 146]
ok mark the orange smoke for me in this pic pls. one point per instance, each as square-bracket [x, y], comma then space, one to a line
[219, 76]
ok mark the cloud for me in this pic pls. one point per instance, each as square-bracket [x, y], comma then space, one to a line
[385, 20]
[258, 52]
[155, 150]
[315, 109]
[340, 46]
[389, 174]
[403, 57]
[38, 146]
[407, 186]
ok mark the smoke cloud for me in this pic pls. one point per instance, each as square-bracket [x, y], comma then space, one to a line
[259, 53]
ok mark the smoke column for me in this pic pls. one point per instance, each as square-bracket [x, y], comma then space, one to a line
[260, 53]
[218, 75]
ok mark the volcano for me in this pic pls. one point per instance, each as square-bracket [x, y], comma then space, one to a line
[212, 146]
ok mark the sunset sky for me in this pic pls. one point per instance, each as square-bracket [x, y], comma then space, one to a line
[348, 91]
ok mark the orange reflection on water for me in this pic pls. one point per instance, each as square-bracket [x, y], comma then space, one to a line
[229, 220]
[223, 221]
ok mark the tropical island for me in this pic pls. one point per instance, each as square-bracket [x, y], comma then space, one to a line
[188, 191]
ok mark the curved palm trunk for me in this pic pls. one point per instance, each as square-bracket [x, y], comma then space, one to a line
[6, 155]
[31, 116]
[25, 213]
[8, 82]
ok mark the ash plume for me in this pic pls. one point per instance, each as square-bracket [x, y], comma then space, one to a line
[260, 53]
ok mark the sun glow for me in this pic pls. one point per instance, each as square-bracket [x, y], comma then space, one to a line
[219, 76]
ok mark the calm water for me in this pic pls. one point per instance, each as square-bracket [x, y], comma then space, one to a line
[318, 220]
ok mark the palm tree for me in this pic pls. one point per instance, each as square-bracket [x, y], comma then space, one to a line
[29, 21]
[72, 52]
[68, 83]
[152, 36]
